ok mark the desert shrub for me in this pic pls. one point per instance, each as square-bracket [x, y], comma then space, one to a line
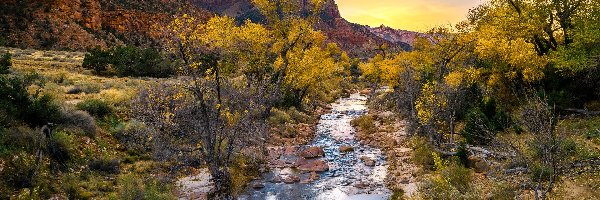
[18, 105]
[128, 61]
[133, 187]
[95, 107]
[478, 128]
[81, 120]
[365, 123]
[107, 165]
[5, 63]
[279, 117]
[422, 151]
[19, 170]
[60, 147]
[19, 138]
[133, 135]
[298, 116]
[449, 181]
[72, 187]
[503, 192]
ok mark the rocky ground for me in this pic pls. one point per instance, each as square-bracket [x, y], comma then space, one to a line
[391, 136]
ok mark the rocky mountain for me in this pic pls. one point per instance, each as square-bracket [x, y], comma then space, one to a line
[358, 40]
[397, 35]
[84, 24]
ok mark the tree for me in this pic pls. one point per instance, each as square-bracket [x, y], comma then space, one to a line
[5, 63]
[550, 152]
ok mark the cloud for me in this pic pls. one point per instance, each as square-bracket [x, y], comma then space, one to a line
[417, 15]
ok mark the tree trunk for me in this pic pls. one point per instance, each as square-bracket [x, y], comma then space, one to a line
[222, 180]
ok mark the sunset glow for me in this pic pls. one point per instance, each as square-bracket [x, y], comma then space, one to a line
[418, 15]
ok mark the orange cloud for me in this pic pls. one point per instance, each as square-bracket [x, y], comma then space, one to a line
[418, 15]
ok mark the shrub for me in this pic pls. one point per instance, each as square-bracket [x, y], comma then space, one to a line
[365, 123]
[5, 63]
[17, 104]
[111, 166]
[477, 128]
[60, 147]
[422, 151]
[128, 61]
[95, 107]
[450, 181]
[279, 117]
[19, 170]
[19, 138]
[133, 187]
[79, 120]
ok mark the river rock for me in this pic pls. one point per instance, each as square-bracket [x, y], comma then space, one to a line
[313, 166]
[346, 149]
[368, 161]
[276, 179]
[258, 185]
[314, 176]
[291, 179]
[312, 152]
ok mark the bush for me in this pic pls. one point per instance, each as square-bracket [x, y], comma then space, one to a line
[450, 181]
[366, 123]
[422, 151]
[5, 63]
[17, 104]
[133, 187]
[111, 166]
[279, 117]
[95, 107]
[60, 147]
[80, 120]
[128, 61]
[477, 128]
[19, 170]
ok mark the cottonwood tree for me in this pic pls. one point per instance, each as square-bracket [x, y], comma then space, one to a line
[210, 109]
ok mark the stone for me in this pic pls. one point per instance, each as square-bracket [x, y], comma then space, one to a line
[276, 179]
[313, 166]
[312, 152]
[291, 179]
[368, 161]
[314, 176]
[258, 185]
[478, 164]
[346, 149]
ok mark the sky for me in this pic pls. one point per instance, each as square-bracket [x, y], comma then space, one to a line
[415, 15]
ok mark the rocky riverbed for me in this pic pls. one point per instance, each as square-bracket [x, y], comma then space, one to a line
[333, 166]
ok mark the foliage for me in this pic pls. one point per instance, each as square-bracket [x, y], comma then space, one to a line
[366, 123]
[95, 107]
[478, 128]
[450, 180]
[107, 165]
[133, 187]
[422, 152]
[79, 120]
[36, 110]
[61, 147]
[5, 63]
[128, 61]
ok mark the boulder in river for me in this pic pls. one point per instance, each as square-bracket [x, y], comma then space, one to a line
[346, 149]
[368, 161]
[291, 179]
[312, 152]
[313, 166]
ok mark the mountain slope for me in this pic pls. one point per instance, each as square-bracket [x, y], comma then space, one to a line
[83, 24]
[397, 35]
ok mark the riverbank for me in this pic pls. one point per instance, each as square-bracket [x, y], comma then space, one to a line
[387, 131]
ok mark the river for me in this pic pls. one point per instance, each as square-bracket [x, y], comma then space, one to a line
[357, 174]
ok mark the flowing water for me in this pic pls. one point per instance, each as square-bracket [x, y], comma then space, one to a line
[348, 176]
